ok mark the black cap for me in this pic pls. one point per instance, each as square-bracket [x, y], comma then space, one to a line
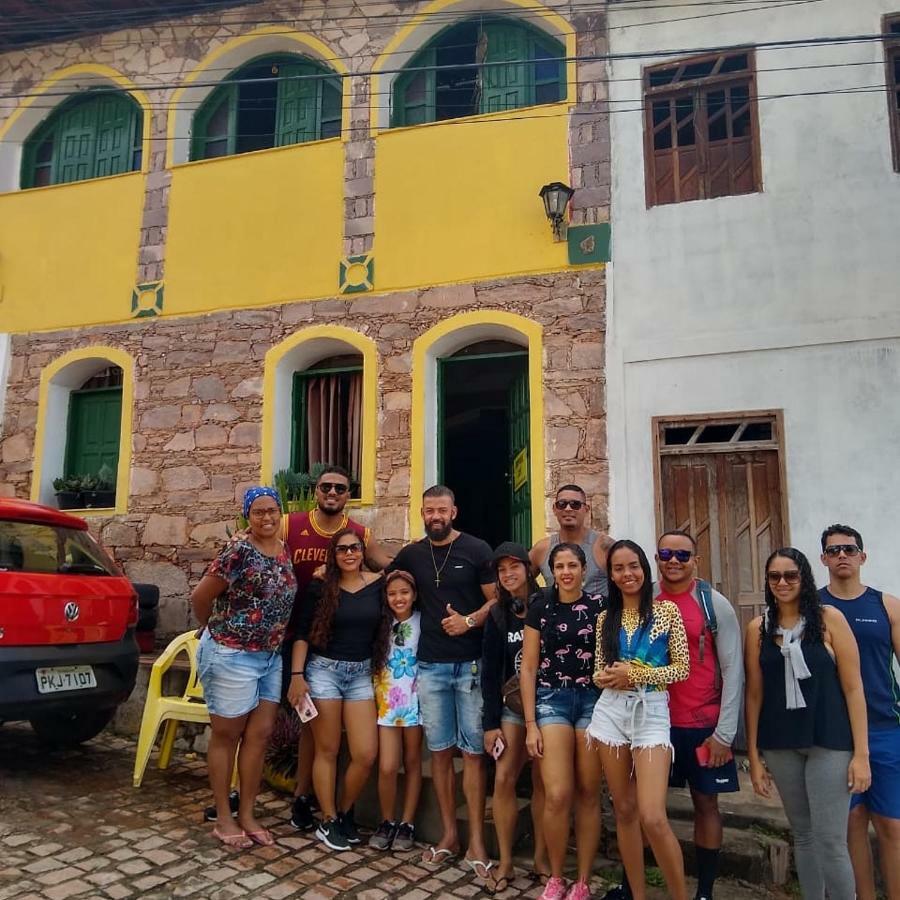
[510, 550]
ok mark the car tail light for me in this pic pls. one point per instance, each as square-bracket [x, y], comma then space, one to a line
[133, 615]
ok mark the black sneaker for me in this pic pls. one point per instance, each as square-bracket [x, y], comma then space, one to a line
[301, 814]
[330, 834]
[348, 826]
[405, 837]
[384, 837]
[234, 800]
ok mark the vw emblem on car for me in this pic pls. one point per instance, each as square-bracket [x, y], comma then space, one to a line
[71, 611]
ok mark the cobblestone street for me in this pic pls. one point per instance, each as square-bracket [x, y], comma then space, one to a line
[71, 825]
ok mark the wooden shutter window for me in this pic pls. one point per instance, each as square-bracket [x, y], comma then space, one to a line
[88, 138]
[892, 61]
[701, 130]
[93, 432]
[506, 86]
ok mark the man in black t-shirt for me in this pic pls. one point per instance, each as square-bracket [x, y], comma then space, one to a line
[455, 588]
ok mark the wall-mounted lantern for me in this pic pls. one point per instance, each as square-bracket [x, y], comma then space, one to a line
[556, 197]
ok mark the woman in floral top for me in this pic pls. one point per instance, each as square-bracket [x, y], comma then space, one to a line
[399, 724]
[242, 604]
[641, 649]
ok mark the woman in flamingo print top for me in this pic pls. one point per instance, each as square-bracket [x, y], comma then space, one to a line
[558, 695]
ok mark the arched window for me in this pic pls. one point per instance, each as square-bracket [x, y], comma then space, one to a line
[532, 72]
[87, 137]
[273, 101]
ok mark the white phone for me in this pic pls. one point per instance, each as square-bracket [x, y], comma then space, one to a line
[306, 709]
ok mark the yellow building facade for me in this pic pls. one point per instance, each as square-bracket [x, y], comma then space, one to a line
[298, 221]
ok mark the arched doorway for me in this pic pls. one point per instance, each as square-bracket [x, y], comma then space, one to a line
[483, 451]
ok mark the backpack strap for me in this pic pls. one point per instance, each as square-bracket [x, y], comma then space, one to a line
[704, 595]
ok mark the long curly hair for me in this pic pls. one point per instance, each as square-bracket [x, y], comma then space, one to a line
[322, 626]
[612, 621]
[810, 602]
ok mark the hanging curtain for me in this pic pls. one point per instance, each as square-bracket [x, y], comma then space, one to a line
[334, 420]
[354, 422]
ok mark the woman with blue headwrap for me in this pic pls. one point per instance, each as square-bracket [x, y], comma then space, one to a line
[243, 603]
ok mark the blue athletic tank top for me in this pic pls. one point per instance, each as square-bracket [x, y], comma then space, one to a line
[595, 583]
[868, 620]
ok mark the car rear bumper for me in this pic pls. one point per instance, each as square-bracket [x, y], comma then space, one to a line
[115, 666]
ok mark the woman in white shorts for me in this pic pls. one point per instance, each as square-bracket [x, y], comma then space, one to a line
[641, 649]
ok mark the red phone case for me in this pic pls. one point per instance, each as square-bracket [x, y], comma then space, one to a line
[702, 753]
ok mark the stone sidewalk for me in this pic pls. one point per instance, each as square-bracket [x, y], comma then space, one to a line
[71, 825]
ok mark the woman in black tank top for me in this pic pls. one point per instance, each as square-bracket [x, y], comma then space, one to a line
[806, 715]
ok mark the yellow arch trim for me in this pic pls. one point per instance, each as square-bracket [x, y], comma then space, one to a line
[305, 42]
[126, 363]
[108, 74]
[366, 346]
[533, 332]
[566, 33]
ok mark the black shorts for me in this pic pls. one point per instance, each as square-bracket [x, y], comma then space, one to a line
[686, 769]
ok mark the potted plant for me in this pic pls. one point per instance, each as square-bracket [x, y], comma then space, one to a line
[68, 491]
[98, 490]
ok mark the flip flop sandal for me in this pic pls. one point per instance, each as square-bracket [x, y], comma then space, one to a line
[435, 856]
[263, 838]
[537, 877]
[499, 886]
[239, 841]
[473, 864]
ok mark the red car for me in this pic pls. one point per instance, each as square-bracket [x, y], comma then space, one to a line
[68, 655]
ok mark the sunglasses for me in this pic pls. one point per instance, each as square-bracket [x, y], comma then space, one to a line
[682, 556]
[349, 548]
[326, 487]
[569, 504]
[787, 577]
[837, 549]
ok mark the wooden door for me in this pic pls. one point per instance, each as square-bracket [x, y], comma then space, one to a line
[731, 502]
[520, 459]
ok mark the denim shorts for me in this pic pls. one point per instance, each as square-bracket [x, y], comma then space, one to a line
[631, 719]
[339, 679]
[450, 705]
[512, 718]
[565, 706]
[234, 681]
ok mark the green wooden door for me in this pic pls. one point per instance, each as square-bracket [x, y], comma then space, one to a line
[77, 133]
[297, 105]
[95, 418]
[520, 459]
[115, 136]
[505, 86]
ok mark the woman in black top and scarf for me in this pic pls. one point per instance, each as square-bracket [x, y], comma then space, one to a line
[346, 626]
[502, 715]
[806, 712]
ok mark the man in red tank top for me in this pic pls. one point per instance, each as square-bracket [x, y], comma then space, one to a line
[307, 535]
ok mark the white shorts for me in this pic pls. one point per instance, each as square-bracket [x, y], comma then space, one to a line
[631, 719]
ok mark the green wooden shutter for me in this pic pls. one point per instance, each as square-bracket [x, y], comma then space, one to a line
[215, 124]
[115, 135]
[95, 420]
[297, 105]
[506, 86]
[76, 142]
[519, 434]
[414, 93]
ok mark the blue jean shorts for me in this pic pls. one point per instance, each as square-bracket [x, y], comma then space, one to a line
[339, 679]
[450, 705]
[234, 681]
[565, 706]
[883, 797]
[512, 718]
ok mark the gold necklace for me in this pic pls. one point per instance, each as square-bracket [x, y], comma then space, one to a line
[437, 571]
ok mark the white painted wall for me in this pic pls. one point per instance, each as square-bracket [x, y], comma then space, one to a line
[789, 298]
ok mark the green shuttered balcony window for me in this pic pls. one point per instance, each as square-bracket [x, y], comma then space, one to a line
[270, 102]
[479, 67]
[87, 137]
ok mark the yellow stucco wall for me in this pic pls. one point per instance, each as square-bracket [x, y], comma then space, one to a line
[68, 254]
[255, 229]
[458, 201]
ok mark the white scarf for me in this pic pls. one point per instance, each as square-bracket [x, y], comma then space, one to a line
[795, 668]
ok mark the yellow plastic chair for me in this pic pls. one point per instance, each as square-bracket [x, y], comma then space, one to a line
[189, 707]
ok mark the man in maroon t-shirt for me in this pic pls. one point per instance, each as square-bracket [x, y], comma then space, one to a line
[307, 535]
[705, 708]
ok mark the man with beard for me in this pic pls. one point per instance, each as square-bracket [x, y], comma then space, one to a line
[571, 510]
[307, 535]
[456, 591]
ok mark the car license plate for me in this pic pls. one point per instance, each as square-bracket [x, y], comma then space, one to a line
[64, 678]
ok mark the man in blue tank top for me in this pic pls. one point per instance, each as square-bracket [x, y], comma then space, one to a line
[874, 618]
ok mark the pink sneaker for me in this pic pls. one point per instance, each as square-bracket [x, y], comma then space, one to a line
[579, 891]
[554, 889]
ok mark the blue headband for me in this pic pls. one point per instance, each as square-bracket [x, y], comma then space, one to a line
[255, 493]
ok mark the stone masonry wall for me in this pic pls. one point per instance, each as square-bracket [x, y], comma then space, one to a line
[198, 410]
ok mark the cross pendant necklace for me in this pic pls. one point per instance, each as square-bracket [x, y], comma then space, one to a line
[437, 571]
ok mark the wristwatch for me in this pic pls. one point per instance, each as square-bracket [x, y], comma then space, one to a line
[471, 621]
